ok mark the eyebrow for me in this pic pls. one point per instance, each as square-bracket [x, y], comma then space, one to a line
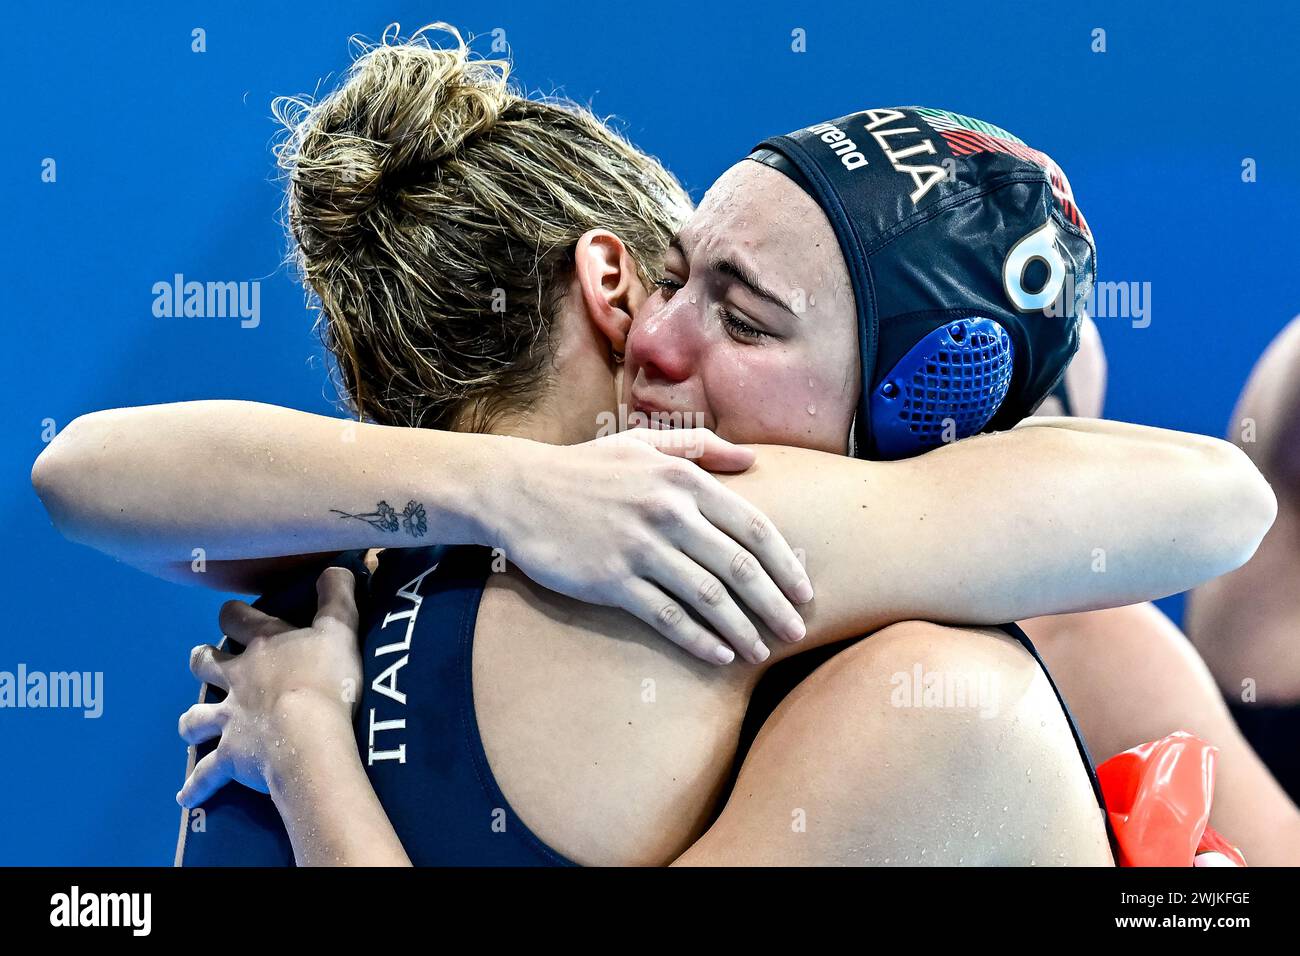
[740, 273]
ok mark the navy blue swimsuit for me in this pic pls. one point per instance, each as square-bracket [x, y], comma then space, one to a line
[415, 725]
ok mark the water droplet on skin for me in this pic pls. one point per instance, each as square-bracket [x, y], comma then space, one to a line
[741, 384]
[694, 299]
[812, 409]
[977, 833]
[810, 383]
[812, 300]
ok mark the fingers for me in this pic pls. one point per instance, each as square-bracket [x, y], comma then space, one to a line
[336, 593]
[742, 573]
[661, 612]
[717, 454]
[242, 622]
[202, 722]
[205, 664]
[700, 590]
[751, 529]
[208, 776]
[698, 444]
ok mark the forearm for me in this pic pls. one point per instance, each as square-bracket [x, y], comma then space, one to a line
[243, 480]
[1080, 514]
[1038, 520]
[326, 801]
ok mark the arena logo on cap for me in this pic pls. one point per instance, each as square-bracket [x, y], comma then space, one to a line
[840, 144]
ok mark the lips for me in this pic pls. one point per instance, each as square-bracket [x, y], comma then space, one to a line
[657, 416]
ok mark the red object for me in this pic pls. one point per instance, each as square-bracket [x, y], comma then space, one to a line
[1158, 796]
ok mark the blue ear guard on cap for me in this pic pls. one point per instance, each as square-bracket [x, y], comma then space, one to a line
[947, 387]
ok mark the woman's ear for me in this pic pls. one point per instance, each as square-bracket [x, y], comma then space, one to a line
[610, 284]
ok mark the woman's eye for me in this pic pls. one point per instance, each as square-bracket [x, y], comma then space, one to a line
[669, 285]
[741, 328]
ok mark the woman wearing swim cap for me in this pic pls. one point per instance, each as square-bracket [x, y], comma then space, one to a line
[602, 294]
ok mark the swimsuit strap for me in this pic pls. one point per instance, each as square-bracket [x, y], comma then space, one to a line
[1015, 631]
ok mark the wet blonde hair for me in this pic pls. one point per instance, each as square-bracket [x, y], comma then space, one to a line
[434, 212]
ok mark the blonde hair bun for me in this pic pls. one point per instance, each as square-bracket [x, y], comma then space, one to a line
[402, 108]
[435, 212]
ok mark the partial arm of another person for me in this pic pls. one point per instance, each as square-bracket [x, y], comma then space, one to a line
[1266, 421]
[1244, 623]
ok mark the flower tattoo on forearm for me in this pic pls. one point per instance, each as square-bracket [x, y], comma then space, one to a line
[385, 517]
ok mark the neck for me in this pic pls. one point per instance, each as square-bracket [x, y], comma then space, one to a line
[577, 404]
[537, 425]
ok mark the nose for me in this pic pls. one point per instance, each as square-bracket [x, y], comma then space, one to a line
[665, 346]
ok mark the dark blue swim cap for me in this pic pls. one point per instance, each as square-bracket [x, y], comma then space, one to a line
[970, 264]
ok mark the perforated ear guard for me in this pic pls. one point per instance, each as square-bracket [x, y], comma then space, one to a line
[948, 386]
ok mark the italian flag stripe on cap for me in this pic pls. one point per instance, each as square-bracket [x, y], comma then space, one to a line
[943, 120]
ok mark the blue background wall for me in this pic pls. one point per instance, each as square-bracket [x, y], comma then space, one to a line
[164, 167]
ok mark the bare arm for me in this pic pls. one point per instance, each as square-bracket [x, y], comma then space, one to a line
[1244, 623]
[1266, 422]
[1042, 519]
[325, 799]
[244, 480]
[240, 491]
